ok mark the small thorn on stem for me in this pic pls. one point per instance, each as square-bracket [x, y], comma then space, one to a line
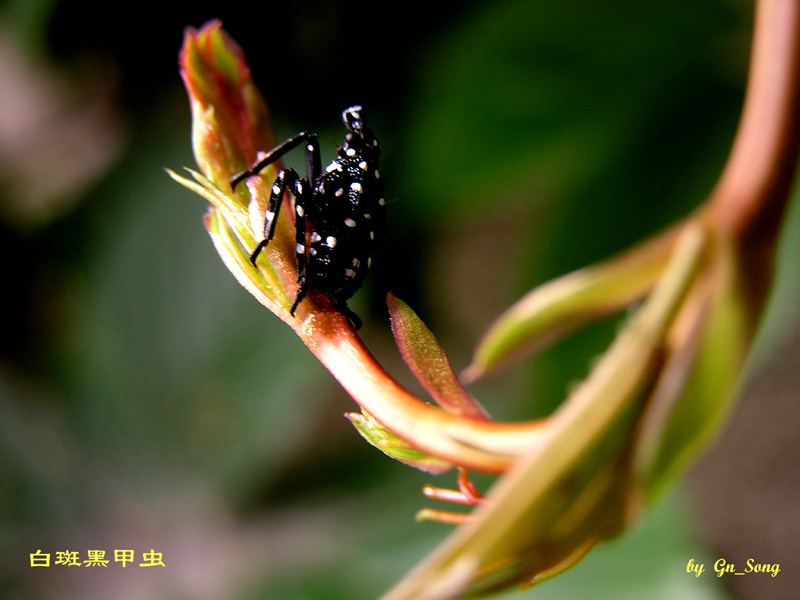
[466, 494]
[443, 516]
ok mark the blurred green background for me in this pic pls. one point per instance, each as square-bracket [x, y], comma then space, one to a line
[148, 402]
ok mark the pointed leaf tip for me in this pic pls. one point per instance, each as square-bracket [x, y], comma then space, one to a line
[394, 447]
[428, 362]
[564, 305]
[230, 122]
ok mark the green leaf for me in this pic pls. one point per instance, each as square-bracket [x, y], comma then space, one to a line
[395, 447]
[428, 362]
[560, 307]
[697, 388]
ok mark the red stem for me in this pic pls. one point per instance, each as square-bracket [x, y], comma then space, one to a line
[476, 444]
[753, 190]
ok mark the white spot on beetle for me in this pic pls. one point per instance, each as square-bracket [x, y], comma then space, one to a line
[350, 273]
[330, 241]
[382, 201]
[338, 192]
[276, 189]
[334, 166]
[350, 152]
[356, 263]
[300, 249]
[363, 165]
[377, 174]
[350, 222]
[315, 237]
[269, 215]
[367, 216]
[300, 211]
[355, 186]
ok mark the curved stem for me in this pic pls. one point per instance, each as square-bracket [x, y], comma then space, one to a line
[754, 186]
[476, 444]
[626, 368]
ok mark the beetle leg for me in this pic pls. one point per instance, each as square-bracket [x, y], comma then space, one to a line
[351, 316]
[285, 178]
[273, 155]
[313, 160]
